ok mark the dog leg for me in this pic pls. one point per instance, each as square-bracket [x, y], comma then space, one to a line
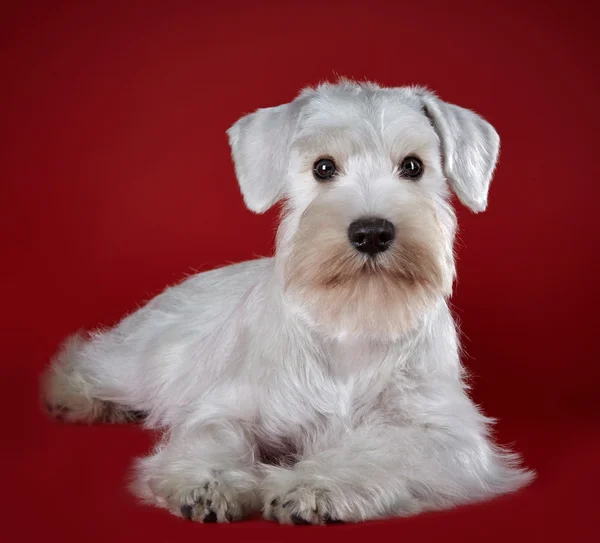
[206, 475]
[389, 471]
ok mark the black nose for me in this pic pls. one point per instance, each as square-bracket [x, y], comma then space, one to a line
[371, 236]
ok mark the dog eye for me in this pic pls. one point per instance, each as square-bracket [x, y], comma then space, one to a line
[324, 169]
[411, 168]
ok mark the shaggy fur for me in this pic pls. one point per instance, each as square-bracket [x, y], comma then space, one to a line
[321, 385]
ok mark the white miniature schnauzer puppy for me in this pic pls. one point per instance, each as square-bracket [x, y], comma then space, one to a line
[322, 385]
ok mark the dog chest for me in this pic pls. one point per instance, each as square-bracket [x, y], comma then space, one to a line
[301, 403]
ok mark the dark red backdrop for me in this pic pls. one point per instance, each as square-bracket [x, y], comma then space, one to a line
[116, 180]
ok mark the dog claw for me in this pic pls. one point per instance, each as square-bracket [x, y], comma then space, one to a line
[299, 521]
[187, 511]
[138, 416]
[211, 517]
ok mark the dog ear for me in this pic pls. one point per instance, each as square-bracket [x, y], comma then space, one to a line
[260, 147]
[470, 147]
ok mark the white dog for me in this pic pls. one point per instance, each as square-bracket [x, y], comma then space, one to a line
[324, 384]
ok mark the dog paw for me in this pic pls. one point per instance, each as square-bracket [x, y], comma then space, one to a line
[94, 411]
[214, 501]
[302, 505]
[57, 412]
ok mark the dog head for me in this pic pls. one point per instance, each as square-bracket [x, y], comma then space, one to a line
[365, 246]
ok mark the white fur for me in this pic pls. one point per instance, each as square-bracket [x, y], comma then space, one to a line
[303, 384]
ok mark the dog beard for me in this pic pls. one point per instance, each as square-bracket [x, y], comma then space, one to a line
[346, 292]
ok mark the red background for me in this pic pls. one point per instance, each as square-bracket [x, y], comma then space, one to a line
[116, 180]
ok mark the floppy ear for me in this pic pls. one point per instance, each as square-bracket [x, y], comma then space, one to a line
[470, 147]
[260, 147]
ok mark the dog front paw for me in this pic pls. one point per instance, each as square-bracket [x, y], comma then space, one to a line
[301, 505]
[213, 501]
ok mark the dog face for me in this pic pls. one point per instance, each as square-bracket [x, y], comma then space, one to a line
[365, 247]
